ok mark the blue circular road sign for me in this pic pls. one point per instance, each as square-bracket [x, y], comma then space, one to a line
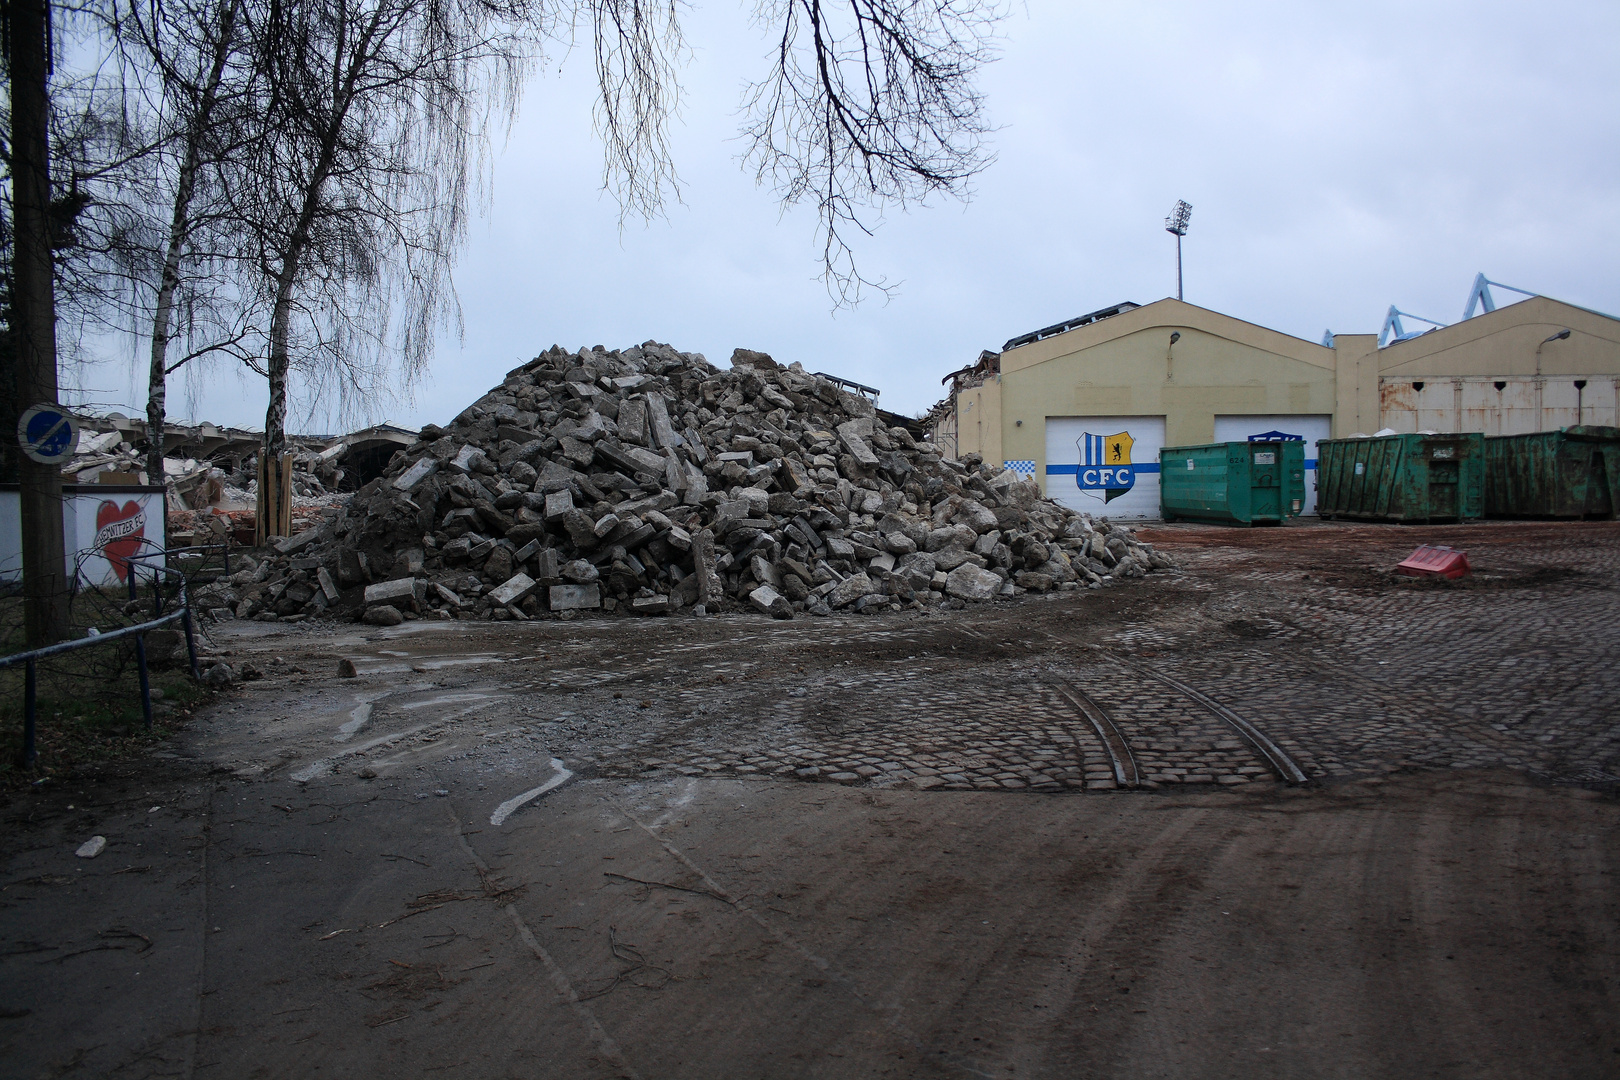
[48, 434]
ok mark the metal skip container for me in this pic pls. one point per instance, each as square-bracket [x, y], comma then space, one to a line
[1573, 472]
[1236, 483]
[1402, 478]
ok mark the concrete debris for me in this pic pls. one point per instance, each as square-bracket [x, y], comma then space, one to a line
[210, 471]
[219, 676]
[92, 847]
[649, 482]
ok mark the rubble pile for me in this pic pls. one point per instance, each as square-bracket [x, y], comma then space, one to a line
[647, 481]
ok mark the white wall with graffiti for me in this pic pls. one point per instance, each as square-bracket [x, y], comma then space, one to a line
[1105, 466]
[1306, 427]
[102, 526]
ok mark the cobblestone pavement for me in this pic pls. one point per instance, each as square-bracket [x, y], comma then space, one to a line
[1303, 634]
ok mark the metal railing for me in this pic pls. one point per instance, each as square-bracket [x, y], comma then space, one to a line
[181, 614]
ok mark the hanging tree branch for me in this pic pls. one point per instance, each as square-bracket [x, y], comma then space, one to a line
[870, 105]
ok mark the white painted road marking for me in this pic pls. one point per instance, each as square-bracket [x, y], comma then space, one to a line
[506, 809]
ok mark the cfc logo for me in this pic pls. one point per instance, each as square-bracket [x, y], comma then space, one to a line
[1105, 470]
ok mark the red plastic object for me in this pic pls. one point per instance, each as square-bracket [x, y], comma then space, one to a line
[1435, 561]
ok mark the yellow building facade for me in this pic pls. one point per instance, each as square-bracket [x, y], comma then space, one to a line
[1085, 406]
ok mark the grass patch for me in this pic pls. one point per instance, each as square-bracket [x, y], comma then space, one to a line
[89, 713]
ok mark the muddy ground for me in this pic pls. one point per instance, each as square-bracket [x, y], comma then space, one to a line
[1059, 837]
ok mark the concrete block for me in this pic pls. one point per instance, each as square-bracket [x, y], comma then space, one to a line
[407, 592]
[650, 605]
[850, 435]
[513, 589]
[328, 586]
[575, 597]
[663, 431]
[559, 504]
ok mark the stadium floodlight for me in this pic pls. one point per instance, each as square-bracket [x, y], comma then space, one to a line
[1177, 221]
[1176, 224]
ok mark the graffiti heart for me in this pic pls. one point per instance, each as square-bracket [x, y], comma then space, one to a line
[120, 531]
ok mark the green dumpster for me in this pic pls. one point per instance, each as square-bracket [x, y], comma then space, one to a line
[1573, 472]
[1402, 478]
[1239, 483]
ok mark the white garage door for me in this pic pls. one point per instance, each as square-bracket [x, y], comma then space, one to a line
[1307, 427]
[1105, 465]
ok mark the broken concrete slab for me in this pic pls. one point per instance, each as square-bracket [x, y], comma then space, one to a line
[658, 418]
[770, 602]
[849, 434]
[298, 542]
[329, 587]
[410, 478]
[850, 590]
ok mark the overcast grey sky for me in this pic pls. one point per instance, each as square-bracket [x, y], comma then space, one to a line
[1338, 157]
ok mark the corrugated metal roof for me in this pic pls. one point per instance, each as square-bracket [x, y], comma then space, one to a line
[1070, 324]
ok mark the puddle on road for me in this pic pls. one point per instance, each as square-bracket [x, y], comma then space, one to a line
[455, 661]
[358, 716]
[412, 662]
[357, 720]
[446, 699]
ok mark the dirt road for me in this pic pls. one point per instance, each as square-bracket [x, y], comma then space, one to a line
[1042, 839]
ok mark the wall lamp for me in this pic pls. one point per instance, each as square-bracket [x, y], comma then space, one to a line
[1560, 336]
[1175, 336]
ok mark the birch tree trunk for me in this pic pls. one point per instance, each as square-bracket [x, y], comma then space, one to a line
[179, 232]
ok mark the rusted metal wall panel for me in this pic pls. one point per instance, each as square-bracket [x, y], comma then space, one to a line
[1510, 405]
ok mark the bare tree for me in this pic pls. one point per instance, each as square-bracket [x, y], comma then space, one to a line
[358, 198]
[206, 112]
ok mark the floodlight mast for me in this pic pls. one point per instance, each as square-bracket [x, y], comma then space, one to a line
[1176, 223]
